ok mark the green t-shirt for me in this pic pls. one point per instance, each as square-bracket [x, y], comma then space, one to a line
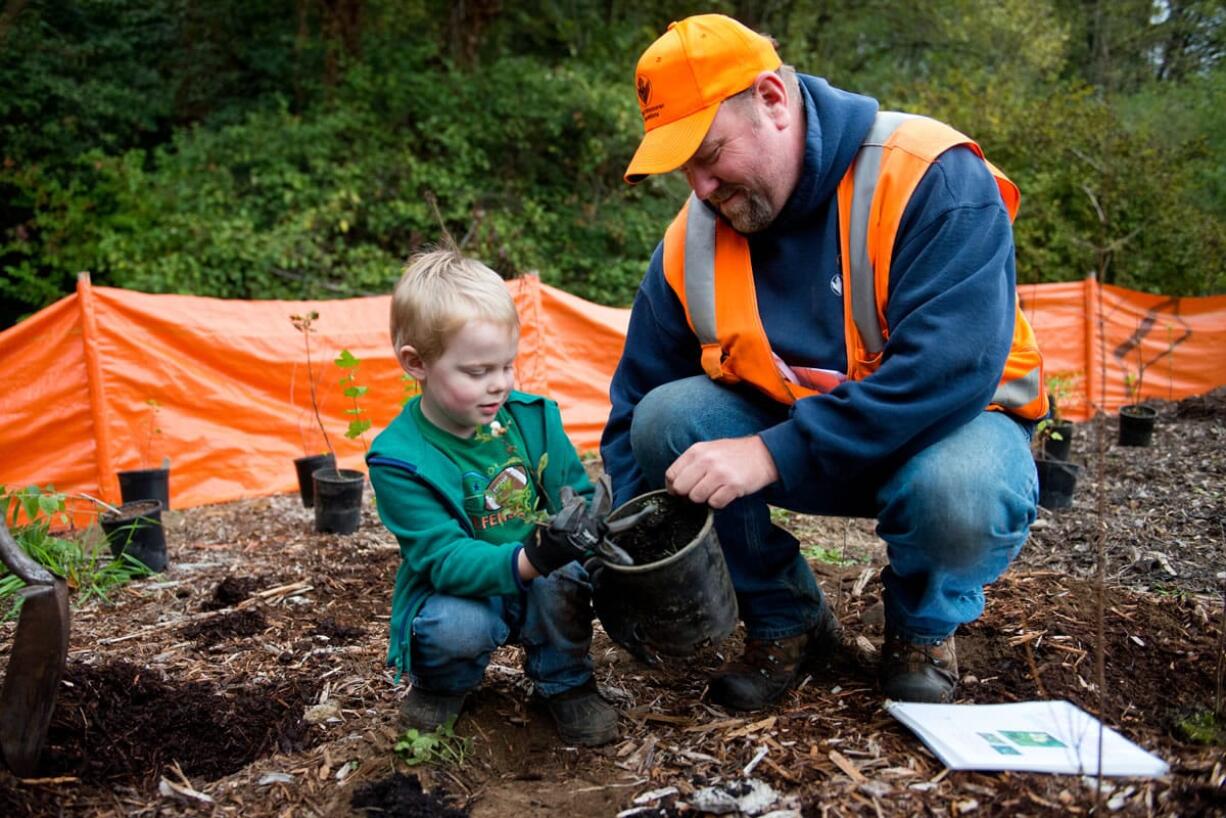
[499, 489]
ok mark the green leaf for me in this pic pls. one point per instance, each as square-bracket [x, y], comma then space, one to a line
[346, 360]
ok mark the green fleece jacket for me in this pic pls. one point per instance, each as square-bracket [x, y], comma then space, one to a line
[420, 499]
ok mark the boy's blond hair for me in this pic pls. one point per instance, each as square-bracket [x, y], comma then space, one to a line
[439, 292]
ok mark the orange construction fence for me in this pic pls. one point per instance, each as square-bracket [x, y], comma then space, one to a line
[1106, 346]
[107, 379]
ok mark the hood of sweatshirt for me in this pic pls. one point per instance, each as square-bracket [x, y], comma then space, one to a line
[836, 123]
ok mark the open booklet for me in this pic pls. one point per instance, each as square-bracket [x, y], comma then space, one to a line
[1046, 737]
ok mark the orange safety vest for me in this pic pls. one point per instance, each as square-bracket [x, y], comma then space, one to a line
[707, 264]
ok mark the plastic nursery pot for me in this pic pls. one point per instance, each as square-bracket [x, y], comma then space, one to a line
[1057, 482]
[306, 467]
[136, 529]
[338, 500]
[1058, 449]
[678, 596]
[1137, 424]
[145, 484]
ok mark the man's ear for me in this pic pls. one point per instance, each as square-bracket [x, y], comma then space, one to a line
[411, 361]
[773, 95]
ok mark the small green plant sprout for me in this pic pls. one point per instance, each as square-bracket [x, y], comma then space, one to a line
[81, 557]
[352, 390]
[305, 324]
[830, 556]
[1132, 387]
[440, 746]
[1045, 429]
[1059, 388]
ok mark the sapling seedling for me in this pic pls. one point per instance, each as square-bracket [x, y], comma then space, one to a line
[305, 324]
[353, 390]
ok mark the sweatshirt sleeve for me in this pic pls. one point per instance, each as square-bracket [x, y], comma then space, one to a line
[950, 316]
[660, 348]
[435, 545]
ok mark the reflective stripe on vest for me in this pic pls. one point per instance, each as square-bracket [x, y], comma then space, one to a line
[868, 228]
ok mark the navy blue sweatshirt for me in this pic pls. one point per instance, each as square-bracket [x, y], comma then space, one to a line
[950, 313]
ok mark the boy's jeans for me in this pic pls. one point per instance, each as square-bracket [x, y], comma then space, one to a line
[953, 517]
[454, 636]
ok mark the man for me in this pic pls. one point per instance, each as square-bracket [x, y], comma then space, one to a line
[830, 325]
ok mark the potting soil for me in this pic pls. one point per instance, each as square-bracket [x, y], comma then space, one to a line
[119, 724]
[401, 795]
[664, 532]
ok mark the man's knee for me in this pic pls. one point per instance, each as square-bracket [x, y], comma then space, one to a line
[958, 513]
[674, 416]
[660, 431]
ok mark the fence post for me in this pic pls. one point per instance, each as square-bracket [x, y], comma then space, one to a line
[108, 489]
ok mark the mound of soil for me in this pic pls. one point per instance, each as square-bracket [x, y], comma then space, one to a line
[231, 591]
[401, 795]
[120, 724]
[236, 625]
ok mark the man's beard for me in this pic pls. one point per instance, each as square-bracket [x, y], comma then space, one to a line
[749, 214]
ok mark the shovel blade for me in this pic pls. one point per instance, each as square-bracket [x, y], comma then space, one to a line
[36, 664]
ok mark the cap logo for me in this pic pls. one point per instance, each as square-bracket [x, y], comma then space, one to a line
[644, 89]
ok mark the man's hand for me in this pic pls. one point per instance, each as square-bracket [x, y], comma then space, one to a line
[716, 472]
[572, 534]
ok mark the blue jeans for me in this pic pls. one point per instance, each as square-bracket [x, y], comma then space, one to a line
[953, 516]
[454, 636]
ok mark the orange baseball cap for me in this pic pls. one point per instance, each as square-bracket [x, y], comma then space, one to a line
[683, 77]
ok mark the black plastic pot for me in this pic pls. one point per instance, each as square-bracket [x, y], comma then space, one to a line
[1057, 482]
[678, 597]
[338, 500]
[145, 484]
[307, 466]
[1058, 448]
[136, 528]
[1137, 424]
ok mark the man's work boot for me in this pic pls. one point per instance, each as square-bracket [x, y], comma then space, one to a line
[428, 711]
[918, 673]
[768, 668]
[582, 716]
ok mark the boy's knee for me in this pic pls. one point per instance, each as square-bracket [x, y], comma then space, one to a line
[458, 628]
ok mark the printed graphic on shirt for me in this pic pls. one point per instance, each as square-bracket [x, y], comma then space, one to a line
[492, 501]
[836, 284]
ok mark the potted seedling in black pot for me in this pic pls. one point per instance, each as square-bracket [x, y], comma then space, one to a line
[1136, 419]
[1053, 437]
[1057, 478]
[148, 482]
[1056, 438]
[135, 529]
[338, 492]
[311, 461]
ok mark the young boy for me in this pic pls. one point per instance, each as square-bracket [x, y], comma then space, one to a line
[462, 476]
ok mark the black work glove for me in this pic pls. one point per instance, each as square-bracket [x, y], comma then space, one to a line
[571, 534]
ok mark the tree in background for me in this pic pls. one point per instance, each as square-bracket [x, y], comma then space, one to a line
[288, 148]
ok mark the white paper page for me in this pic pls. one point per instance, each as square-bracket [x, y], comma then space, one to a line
[1055, 737]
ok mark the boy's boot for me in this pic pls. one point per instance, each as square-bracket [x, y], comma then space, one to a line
[582, 716]
[918, 673]
[768, 668]
[428, 711]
